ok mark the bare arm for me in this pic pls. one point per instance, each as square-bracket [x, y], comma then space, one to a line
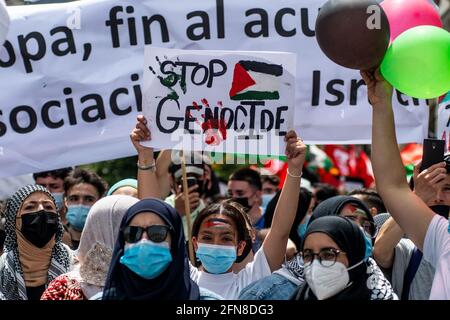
[406, 208]
[148, 186]
[275, 243]
[388, 238]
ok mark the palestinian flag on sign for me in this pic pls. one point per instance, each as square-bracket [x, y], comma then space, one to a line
[253, 80]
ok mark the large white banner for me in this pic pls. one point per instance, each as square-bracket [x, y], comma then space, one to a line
[4, 22]
[219, 101]
[71, 74]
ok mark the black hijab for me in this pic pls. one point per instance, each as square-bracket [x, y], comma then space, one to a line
[350, 239]
[333, 206]
[173, 284]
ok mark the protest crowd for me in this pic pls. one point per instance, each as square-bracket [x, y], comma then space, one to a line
[339, 222]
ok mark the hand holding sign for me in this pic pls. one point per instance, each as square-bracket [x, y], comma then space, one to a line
[140, 134]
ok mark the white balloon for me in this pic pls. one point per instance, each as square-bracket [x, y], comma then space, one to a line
[4, 22]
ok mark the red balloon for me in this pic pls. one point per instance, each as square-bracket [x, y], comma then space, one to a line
[407, 14]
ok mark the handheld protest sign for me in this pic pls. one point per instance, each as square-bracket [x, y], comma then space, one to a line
[221, 101]
[187, 208]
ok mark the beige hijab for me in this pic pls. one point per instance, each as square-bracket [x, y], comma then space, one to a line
[35, 261]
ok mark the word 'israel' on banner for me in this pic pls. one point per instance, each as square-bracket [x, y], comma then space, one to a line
[71, 75]
[222, 101]
[443, 127]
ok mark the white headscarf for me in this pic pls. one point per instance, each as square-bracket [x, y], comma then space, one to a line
[4, 22]
[98, 239]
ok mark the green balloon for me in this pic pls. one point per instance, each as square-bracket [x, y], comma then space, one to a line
[418, 62]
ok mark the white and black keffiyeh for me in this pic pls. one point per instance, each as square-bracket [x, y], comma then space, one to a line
[380, 287]
[12, 283]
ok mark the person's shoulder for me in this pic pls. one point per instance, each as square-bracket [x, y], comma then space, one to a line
[439, 229]
[406, 244]
[206, 294]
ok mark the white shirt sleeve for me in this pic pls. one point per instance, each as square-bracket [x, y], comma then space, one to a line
[437, 235]
[193, 271]
[255, 270]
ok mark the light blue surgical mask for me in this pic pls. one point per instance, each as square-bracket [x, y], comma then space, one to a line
[76, 216]
[59, 198]
[216, 259]
[368, 242]
[146, 258]
[301, 228]
[266, 199]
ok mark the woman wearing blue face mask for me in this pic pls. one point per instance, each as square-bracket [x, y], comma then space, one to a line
[149, 259]
[220, 234]
[336, 266]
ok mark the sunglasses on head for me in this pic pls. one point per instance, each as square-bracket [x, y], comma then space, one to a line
[155, 233]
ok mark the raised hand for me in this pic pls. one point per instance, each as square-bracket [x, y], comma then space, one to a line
[141, 133]
[379, 90]
[295, 152]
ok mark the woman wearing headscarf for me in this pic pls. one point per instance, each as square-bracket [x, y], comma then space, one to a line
[346, 206]
[34, 254]
[94, 253]
[356, 210]
[150, 231]
[336, 263]
[126, 187]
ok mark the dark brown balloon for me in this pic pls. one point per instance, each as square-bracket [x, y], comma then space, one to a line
[344, 36]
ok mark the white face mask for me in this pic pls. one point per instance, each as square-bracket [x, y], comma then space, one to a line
[325, 282]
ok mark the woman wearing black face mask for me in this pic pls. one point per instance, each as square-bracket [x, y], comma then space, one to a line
[34, 254]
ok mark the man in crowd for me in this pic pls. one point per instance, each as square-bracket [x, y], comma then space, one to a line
[371, 198]
[199, 182]
[53, 181]
[82, 189]
[245, 187]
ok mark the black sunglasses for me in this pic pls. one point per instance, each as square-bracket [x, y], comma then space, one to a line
[155, 233]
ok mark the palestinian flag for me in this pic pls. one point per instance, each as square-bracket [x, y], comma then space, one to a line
[253, 80]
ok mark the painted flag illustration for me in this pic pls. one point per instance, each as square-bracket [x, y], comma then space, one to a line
[254, 80]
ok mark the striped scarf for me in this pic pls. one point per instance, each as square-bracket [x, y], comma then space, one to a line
[12, 283]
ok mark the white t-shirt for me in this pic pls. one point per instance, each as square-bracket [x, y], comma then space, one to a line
[229, 285]
[436, 250]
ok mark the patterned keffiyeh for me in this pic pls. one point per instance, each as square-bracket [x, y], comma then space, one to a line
[12, 283]
[380, 287]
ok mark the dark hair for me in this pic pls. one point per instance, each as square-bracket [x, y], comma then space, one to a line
[215, 184]
[55, 174]
[371, 198]
[229, 208]
[79, 175]
[324, 191]
[248, 175]
[304, 200]
[272, 179]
